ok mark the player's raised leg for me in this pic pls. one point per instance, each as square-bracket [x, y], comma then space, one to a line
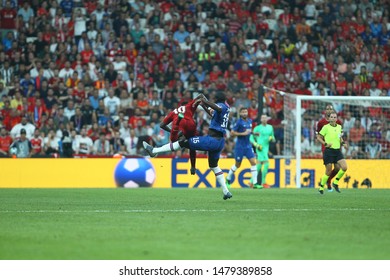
[154, 151]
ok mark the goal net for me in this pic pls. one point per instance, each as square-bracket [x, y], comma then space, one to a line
[365, 119]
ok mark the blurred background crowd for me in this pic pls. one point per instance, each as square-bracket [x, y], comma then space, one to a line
[96, 77]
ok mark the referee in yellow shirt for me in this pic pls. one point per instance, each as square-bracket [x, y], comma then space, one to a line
[331, 137]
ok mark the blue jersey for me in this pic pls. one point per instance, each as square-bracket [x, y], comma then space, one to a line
[241, 126]
[213, 145]
[219, 121]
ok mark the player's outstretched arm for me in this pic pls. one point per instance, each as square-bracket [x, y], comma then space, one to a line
[198, 101]
[165, 127]
[207, 110]
[212, 105]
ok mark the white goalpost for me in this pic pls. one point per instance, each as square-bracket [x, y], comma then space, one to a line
[302, 112]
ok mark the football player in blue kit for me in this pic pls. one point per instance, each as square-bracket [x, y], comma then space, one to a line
[243, 147]
[213, 143]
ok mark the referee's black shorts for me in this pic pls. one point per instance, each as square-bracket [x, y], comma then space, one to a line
[332, 155]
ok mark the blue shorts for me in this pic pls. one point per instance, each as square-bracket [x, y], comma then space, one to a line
[209, 144]
[240, 153]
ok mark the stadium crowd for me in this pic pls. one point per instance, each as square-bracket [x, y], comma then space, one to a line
[102, 74]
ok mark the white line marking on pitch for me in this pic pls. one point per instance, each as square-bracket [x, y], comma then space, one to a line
[193, 210]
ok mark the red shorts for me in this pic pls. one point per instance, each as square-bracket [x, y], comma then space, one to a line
[188, 127]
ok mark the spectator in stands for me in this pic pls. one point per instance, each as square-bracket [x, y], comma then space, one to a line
[348, 122]
[8, 18]
[112, 102]
[77, 121]
[373, 148]
[374, 91]
[66, 72]
[26, 12]
[21, 147]
[5, 142]
[366, 119]
[160, 137]
[356, 133]
[124, 131]
[94, 99]
[70, 109]
[116, 143]
[181, 34]
[101, 146]
[83, 145]
[306, 149]
[37, 143]
[105, 118]
[242, 101]
[27, 127]
[3, 89]
[59, 117]
[51, 144]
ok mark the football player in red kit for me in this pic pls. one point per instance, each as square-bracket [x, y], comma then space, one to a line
[324, 121]
[183, 123]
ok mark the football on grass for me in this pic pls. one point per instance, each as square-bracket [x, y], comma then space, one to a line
[134, 173]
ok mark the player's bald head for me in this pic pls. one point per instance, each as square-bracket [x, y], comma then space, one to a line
[329, 107]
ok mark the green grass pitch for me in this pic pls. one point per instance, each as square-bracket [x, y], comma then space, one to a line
[194, 224]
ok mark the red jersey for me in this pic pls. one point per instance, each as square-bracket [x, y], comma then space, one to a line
[165, 6]
[133, 121]
[214, 75]
[280, 86]
[36, 144]
[384, 85]
[245, 76]
[131, 55]
[286, 18]
[321, 124]
[42, 12]
[90, 6]
[321, 75]
[341, 87]
[252, 114]
[299, 66]
[37, 111]
[5, 142]
[8, 18]
[309, 56]
[377, 76]
[86, 55]
[187, 125]
[79, 95]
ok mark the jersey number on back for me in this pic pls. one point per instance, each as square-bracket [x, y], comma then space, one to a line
[179, 110]
[225, 120]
